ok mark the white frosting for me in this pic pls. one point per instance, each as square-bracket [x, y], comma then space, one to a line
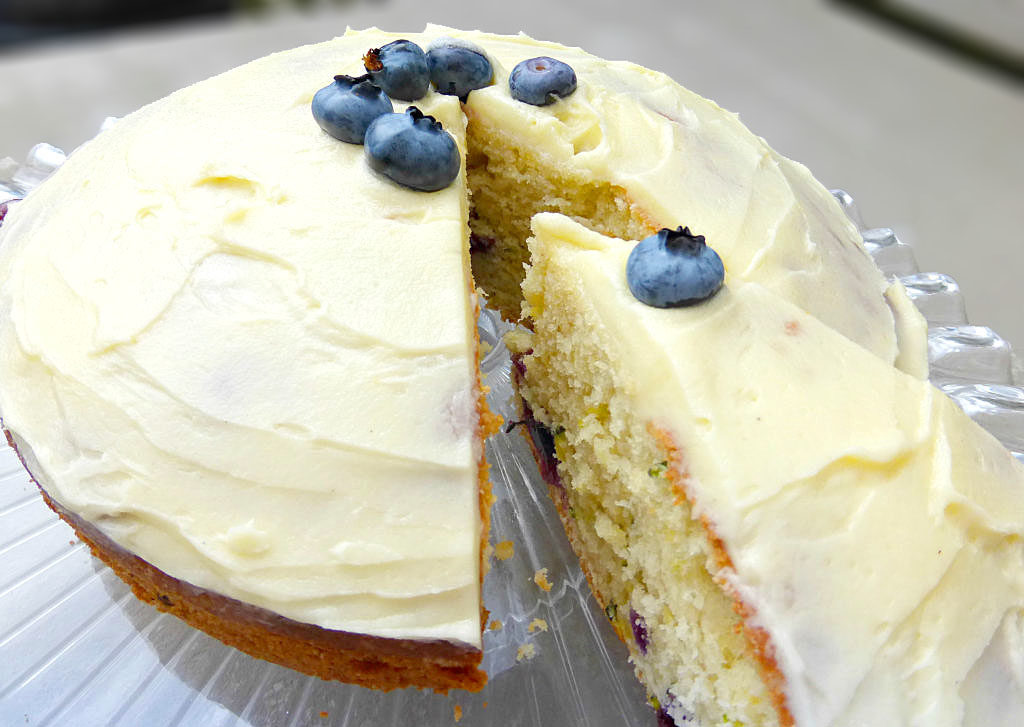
[683, 160]
[247, 358]
[874, 528]
[250, 360]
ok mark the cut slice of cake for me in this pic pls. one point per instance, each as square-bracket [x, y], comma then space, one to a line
[243, 366]
[783, 527]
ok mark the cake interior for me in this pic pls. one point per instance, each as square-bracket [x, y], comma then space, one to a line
[659, 584]
[508, 186]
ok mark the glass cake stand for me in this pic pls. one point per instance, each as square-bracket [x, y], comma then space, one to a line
[76, 648]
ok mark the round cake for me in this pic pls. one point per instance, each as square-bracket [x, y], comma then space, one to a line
[238, 355]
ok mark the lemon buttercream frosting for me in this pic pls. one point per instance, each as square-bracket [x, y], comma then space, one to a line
[871, 529]
[250, 360]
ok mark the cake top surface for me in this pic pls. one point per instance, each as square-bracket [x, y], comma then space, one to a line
[877, 463]
[685, 161]
[220, 328]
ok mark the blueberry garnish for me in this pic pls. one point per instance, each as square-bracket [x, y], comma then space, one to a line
[413, 150]
[674, 268]
[541, 81]
[345, 108]
[400, 69]
[456, 69]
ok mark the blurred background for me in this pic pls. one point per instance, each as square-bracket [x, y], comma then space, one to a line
[916, 107]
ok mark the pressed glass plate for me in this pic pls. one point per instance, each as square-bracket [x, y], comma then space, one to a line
[76, 648]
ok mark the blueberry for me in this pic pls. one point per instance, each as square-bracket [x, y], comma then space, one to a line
[674, 268]
[413, 150]
[541, 81]
[456, 68]
[400, 69]
[345, 108]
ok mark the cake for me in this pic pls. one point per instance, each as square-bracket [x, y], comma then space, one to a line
[242, 365]
[790, 531]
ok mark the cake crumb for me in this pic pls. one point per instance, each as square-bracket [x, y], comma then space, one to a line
[538, 624]
[496, 625]
[504, 550]
[526, 652]
[541, 579]
[458, 713]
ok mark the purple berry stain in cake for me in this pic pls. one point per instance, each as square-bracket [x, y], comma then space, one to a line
[670, 712]
[480, 243]
[639, 626]
[542, 438]
[545, 442]
[519, 367]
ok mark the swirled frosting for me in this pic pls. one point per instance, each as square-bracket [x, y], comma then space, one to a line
[250, 360]
[683, 160]
[875, 530]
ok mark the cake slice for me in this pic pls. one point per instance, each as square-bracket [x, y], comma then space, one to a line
[243, 366]
[783, 527]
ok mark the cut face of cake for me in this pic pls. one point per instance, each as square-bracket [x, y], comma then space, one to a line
[785, 528]
[243, 365]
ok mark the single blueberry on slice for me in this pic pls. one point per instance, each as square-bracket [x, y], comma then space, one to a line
[413, 150]
[345, 108]
[541, 81]
[456, 67]
[674, 268]
[400, 69]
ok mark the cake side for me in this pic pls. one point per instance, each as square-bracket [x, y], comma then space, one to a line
[369, 661]
[840, 507]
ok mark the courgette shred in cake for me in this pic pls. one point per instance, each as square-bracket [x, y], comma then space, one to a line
[242, 365]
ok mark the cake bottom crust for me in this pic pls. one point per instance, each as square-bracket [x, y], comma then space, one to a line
[369, 661]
